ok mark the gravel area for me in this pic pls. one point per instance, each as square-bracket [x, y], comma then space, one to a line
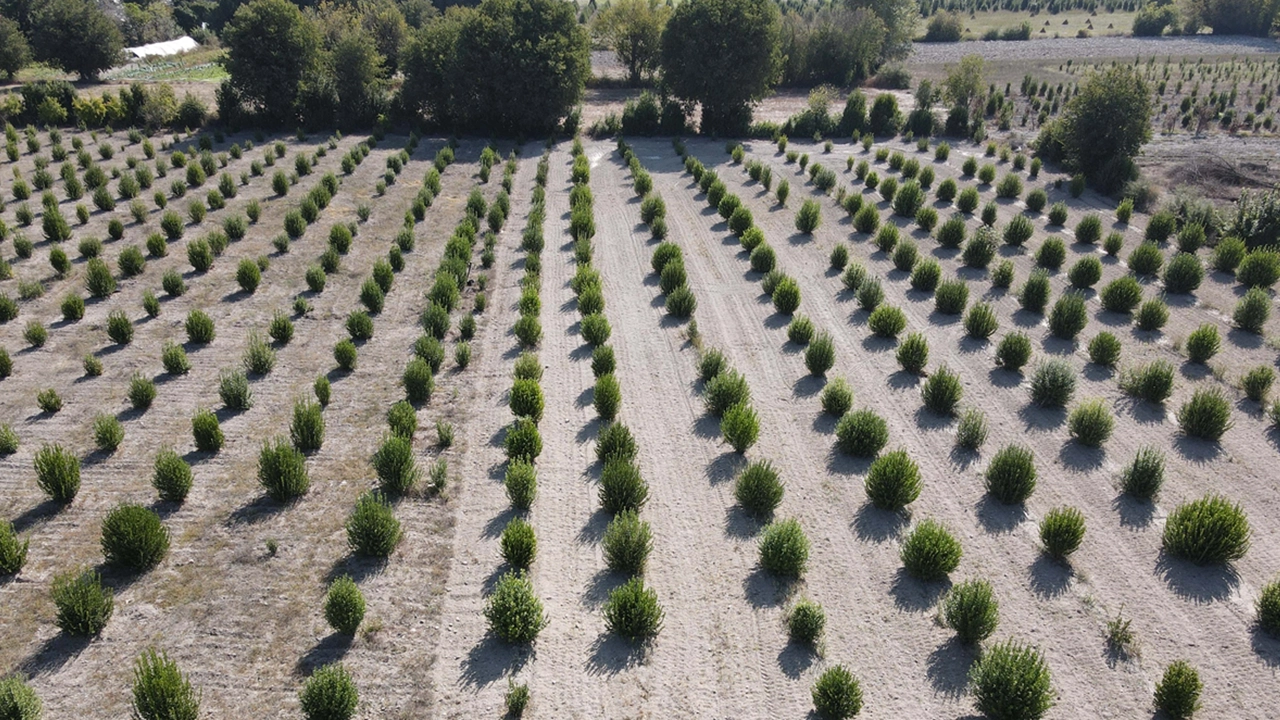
[1099, 47]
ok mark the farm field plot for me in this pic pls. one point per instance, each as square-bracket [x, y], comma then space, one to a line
[607, 373]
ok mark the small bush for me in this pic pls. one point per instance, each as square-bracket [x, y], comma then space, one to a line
[893, 481]
[837, 694]
[514, 611]
[805, 622]
[1062, 531]
[1144, 476]
[83, 604]
[980, 322]
[108, 433]
[171, 476]
[359, 325]
[1051, 254]
[1152, 382]
[402, 419]
[1252, 311]
[1259, 269]
[1183, 274]
[1268, 607]
[49, 401]
[395, 465]
[282, 471]
[622, 487]
[971, 609]
[521, 483]
[1152, 315]
[1053, 383]
[632, 611]
[1177, 694]
[926, 275]
[134, 538]
[199, 327]
[234, 390]
[372, 527]
[913, 353]
[329, 694]
[523, 441]
[418, 381]
[726, 389]
[905, 255]
[1035, 293]
[1011, 680]
[1068, 317]
[1207, 415]
[740, 427]
[1257, 383]
[627, 543]
[800, 330]
[1011, 476]
[784, 549]
[1014, 351]
[615, 442]
[13, 555]
[942, 392]
[119, 327]
[837, 397]
[1208, 531]
[1002, 276]
[1146, 259]
[1228, 255]
[861, 433]
[930, 551]
[951, 297]
[1018, 231]
[344, 606]
[518, 544]
[595, 330]
[887, 321]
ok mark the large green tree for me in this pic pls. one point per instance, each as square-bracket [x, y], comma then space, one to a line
[76, 36]
[633, 30]
[723, 54]
[508, 66]
[271, 48]
[357, 68]
[1237, 17]
[14, 51]
[1104, 126]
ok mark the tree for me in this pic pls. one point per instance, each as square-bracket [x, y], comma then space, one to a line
[1237, 17]
[964, 83]
[271, 47]
[357, 76]
[633, 30]
[725, 55]
[14, 51]
[1105, 125]
[76, 36]
[899, 18]
[832, 45]
[386, 25]
[509, 66]
[148, 23]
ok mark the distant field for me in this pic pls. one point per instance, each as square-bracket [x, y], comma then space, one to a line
[1045, 25]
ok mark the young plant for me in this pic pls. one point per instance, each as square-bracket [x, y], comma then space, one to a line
[1208, 531]
[861, 433]
[1011, 476]
[1062, 531]
[930, 552]
[1091, 423]
[514, 611]
[893, 481]
[1177, 694]
[971, 609]
[372, 528]
[1207, 415]
[1011, 680]
[784, 549]
[627, 543]
[837, 694]
[134, 538]
[632, 611]
[344, 606]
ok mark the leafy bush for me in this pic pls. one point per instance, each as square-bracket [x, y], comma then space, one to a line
[1143, 477]
[622, 487]
[199, 327]
[805, 622]
[1051, 254]
[57, 473]
[905, 254]
[893, 481]
[926, 275]
[800, 330]
[930, 551]
[1152, 382]
[1002, 276]
[763, 259]
[521, 483]
[282, 471]
[837, 397]
[395, 465]
[1011, 476]
[1208, 531]
[1014, 351]
[329, 694]
[519, 544]
[837, 694]
[632, 611]
[1018, 231]
[971, 609]
[952, 233]
[1256, 383]
[13, 555]
[615, 442]
[18, 701]
[913, 353]
[1062, 531]
[307, 428]
[740, 427]
[870, 294]
[1259, 269]
[1089, 229]
[887, 321]
[908, 200]
[1183, 274]
[980, 322]
[514, 611]
[784, 549]
[108, 433]
[627, 543]
[595, 330]
[172, 476]
[1268, 607]
[1146, 259]
[372, 527]
[1252, 311]
[1207, 415]
[1011, 680]
[523, 441]
[1035, 293]
[942, 392]
[344, 606]
[83, 604]
[1177, 694]
[1091, 423]
[951, 297]
[726, 389]
[809, 217]
[134, 538]
[1053, 383]
[1228, 255]
[861, 433]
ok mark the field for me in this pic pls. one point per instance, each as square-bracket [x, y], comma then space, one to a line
[237, 601]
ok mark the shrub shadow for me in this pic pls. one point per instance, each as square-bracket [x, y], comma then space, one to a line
[592, 532]
[261, 509]
[611, 655]
[331, 648]
[872, 524]
[492, 659]
[1049, 578]
[948, 667]
[996, 517]
[762, 590]
[53, 654]
[1198, 583]
[498, 523]
[795, 658]
[1133, 512]
[1037, 418]
[913, 595]
[32, 516]
[903, 380]
[1003, 378]
[1267, 648]
[1196, 450]
[1081, 458]
[739, 524]
[356, 567]
[808, 386]
[725, 467]
[600, 585]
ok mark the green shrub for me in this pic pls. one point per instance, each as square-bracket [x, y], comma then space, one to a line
[839, 257]
[622, 487]
[968, 199]
[1010, 187]
[1018, 231]
[837, 397]
[740, 427]
[518, 544]
[1256, 383]
[134, 538]
[971, 609]
[1146, 259]
[1183, 274]
[259, 357]
[1152, 315]
[172, 476]
[1069, 316]
[913, 353]
[521, 483]
[1259, 269]
[13, 555]
[1014, 351]
[83, 603]
[1002, 276]
[1089, 229]
[887, 321]
[837, 694]
[1051, 254]
[800, 330]
[627, 543]
[1035, 293]
[1058, 214]
[951, 297]
[1268, 607]
[908, 200]
[1177, 694]
[867, 219]
[395, 465]
[861, 433]
[514, 611]
[595, 330]
[199, 327]
[282, 471]
[632, 611]
[805, 623]
[307, 429]
[905, 255]
[108, 433]
[234, 390]
[1086, 272]
[1228, 255]
[980, 322]
[1252, 311]
[952, 233]
[402, 419]
[1091, 423]
[1144, 476]
[971, 431]
[1104, 349]
[523, 441]
[329, 694]
[323, 389]
[1011, 680]
[344, 606]
[161, 691]
[893, 481]
[372, 527]
[930, 551]
[18, 701]
[359, 325]
[887, 239]
[1011, 476]
[1207, 415]
[1062, 531]
[726, 389]
[926, 275]
[784, 549]
[1208, 531]
[870, 294]
[615, 442]
[418, 381]
[1152, 382]
[942, 392]
[786, 296]
[1053, 383]
[57, 473]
